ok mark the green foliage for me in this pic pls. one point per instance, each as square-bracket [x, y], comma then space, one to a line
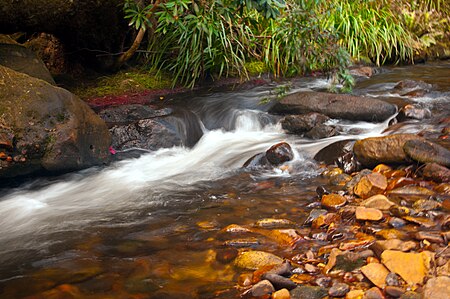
[138, 16]
[369, 28]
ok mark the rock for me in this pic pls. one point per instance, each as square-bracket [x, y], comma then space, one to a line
[412, 267]
[325, 220]
[53, 129]
[339, 152]
[279, 153]
[242, 243]
[281, 294]
[411, 295]
[274, 223]
[412, 190]
[376, 273]
[226, 255]
[257, 161]
[285, 269]
[23, 60]
[363, 71]
[333, 201]
[393, 244]
[369, 214]
[400, 182]
[437, 287]
[426, 205]
[50, 49]
[354, 294]
[234, 228]
[432, 237]
[314, 214]
[385, 149]
[436, 172]
[378, 201]
[262, 288]
[321, 131]
[132, 113]
[413, 112]
[335, 106]
[309, 292]
[392, 279]
[339, 290]
[394, 291]
[299, 124]
[371, 184]
[355, 180]
[425, 151]
[396, 222]
[373, 293]
[279, 282]
[147, 134]
[252, 260]
[406, 86]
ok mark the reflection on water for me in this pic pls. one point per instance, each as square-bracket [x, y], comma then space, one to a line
[153, 224]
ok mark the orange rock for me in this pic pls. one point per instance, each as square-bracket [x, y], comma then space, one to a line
[333, 201]
[412, 267]
[400, 182]
[371, 184]
[376, 273]
[382, 168]
[378, 201]
[281, 294]
[370, 214]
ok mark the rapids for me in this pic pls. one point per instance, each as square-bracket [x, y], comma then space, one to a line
[167, 193]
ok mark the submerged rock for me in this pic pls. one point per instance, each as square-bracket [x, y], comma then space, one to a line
[436, 172]
[252, 260]
[335, 106]
[385, 149]
[425, 151]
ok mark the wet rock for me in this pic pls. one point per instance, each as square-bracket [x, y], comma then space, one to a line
[369, 214]
[281, 294]
[262, 288]
[285, 269]
[396, 222]
[339, 152]
[411, 190]
[411, 295]
[279, 282]
[335, 106]
[432, 237]
[321, 131]
[393, 244]
[437, 287]
[413, 112]
[436, 172]
[412, 267]
[252, 260]
[355, 294]
[333, 201]
[226, 255]
[371, 184]
[363, 71]
[373, 293]
[24, 60]
[314, 214]
[355, 180]
[425, 151]
[378, 201]
[385, 149]
[426, 205]
[422, 221]
[242, 243]
[53, 130]
[325, 220]
[299, 124]
[309, 292]
[323, 282]
[274, 223]
[279, 153]
[392, 279]
[394, 291]
[339, 290]
[406, 86]
[400, 182]
[376, 273]
[234, 228]
[132, 113]
[274, 156]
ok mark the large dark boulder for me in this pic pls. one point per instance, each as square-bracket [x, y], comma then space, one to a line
[335, 106]
[276, 155]
[299, 124]
[150, 128]
[24, 60]
[385, 149]
[425, 151]
[46, 128]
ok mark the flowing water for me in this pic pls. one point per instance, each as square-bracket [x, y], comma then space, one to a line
[150, 227]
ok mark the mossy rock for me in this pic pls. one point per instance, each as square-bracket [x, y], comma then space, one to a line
[47, 128]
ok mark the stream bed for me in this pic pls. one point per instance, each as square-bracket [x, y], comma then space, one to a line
[155, 226]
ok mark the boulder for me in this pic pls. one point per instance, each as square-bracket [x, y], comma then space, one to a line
[386, 149]
[44, 127]
[21, 59]
[413, 112]
[50, 49]
[321, 131]
[437, 287]
[299, 124]
[335, 106]
[425, 151]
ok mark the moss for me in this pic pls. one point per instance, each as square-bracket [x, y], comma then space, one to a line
[130, 81]
[255, 68]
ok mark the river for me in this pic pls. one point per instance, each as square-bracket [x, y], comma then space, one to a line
[152, 225]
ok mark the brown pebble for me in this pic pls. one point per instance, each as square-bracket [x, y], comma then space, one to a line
[281, 294]
[433, 237]
[371, 184]
[373, 293]
[394, 291]
[333, 201]
[370, 214]
[264, 287]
